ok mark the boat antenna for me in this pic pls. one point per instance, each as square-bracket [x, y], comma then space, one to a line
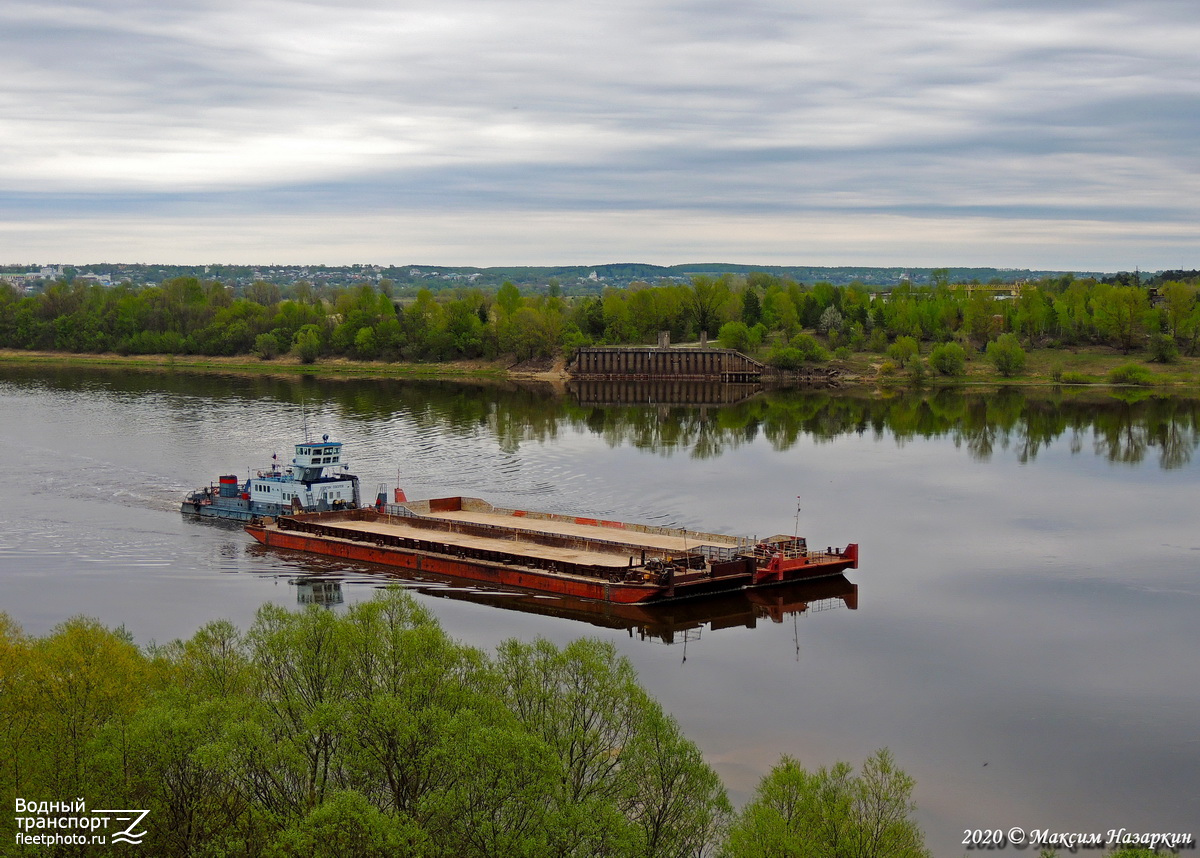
[796, 533]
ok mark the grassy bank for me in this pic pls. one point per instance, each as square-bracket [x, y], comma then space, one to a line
[1043, 367]
[248, 364]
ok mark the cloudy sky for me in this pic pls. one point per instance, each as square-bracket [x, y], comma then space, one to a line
[1025, 133]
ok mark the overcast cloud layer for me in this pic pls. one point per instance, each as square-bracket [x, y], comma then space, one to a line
[924, 132]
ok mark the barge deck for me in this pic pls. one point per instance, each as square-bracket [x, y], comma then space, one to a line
[608, 561]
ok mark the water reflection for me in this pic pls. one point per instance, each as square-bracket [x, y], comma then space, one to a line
[316, 590]
[1118, 427]
[668, 623]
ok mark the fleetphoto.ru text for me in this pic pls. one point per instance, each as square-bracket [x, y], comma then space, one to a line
[70, 823]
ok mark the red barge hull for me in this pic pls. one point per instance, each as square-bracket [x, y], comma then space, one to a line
[584, 558]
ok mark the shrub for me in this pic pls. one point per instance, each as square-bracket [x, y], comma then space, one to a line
[734, 335]
[948, 359]
[810, 348]
[843, 353]
[903, 350]
[266, 346]
[1006, 355]
[803, 349]
[1163, 348]
[1130, 373]
[1071, 377]
[307, 343]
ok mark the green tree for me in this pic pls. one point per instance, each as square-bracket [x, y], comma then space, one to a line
[780, 314]
[84, 678]
[1180, 299]
[264, 293]
[705, 302]
[1122, 314]
[948, 359]
[1032, 314]
[1006, 355]
[366, 344]
[979, 318]
[904, 350]
[830, 812]
[1163, 348]
[735, 335]
[16, 707]
[348, 824]
[266, 346]
[307, 343]
[630, 783]
[508, 298]
[751, 307]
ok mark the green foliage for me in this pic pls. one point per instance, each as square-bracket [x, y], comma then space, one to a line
[1131, 373]
[1072, 377]
[307, 343]
[795, 812]
[948, 359]
[366, 733]
[803, 349]
[189, 316]
[508, 299]
[266, 346]
[751, 307]
[917, 371]
[1122, 313]
[1006, 355]
[706, 302]
[904, 350]
[735, 335]
[1163, 348]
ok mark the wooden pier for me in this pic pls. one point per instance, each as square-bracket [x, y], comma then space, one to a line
[649, 362]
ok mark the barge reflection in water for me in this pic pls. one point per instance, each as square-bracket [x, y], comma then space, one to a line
[667, 623]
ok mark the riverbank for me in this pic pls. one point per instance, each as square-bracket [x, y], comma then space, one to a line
[1043, 367]
[1092, 365]
[289, 365]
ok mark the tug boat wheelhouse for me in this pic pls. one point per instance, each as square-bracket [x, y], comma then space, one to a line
[304, 486]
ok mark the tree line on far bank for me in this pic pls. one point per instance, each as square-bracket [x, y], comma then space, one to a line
[788, 323]
[372, 733]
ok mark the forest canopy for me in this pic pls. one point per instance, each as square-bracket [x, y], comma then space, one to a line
[796, 322]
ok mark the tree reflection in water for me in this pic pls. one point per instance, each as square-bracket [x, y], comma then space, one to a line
[1123, 427]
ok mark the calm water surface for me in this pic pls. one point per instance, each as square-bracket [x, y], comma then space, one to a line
[1025, 638]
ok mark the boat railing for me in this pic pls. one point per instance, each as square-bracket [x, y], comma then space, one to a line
[398, 510]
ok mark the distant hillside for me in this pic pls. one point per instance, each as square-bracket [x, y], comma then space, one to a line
[572, 279]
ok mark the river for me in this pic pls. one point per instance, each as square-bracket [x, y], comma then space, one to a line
[1022, 631]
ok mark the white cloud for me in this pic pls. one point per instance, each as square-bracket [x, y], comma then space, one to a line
[1063, 121]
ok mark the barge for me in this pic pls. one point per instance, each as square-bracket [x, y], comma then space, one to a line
[607, 561]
